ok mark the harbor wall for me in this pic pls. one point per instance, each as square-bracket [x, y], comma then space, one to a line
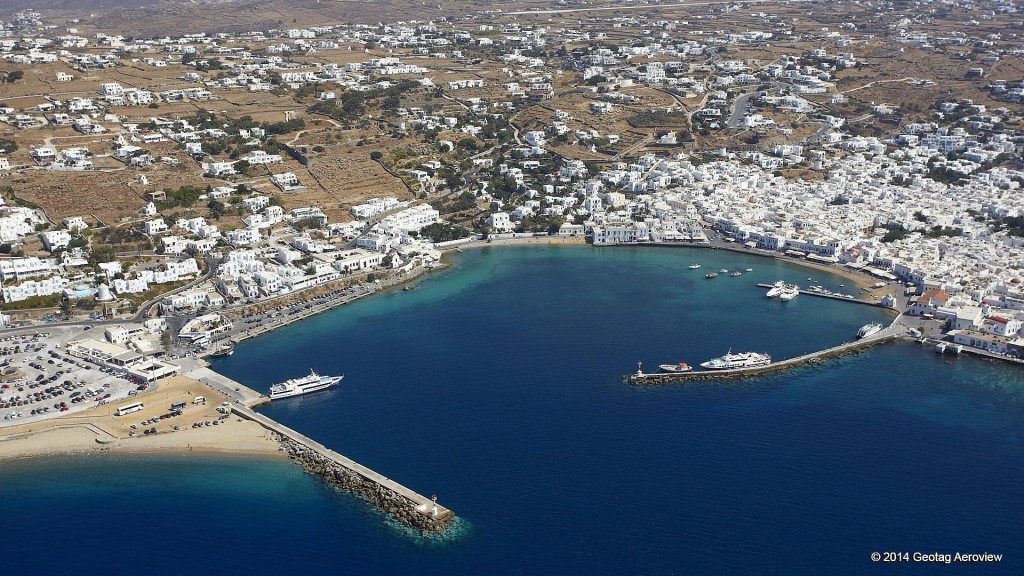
[886, 335]
[404, 505]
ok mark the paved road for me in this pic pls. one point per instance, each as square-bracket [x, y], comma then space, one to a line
[739, 108]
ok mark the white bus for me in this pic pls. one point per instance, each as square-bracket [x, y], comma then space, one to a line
[129, 408]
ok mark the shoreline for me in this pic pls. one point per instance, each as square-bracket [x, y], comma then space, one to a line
[99, 430]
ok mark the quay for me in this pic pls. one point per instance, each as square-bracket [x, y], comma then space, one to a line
[822, 295]
[362, 292]
[242, 394]
[885, 335]
[405, 505]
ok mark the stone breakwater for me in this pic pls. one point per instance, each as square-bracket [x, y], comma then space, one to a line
[813, 358]
[404, 505]
[426, 517]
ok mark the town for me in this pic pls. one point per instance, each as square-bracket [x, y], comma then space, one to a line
[175, 194]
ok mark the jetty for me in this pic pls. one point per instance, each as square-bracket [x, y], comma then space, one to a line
[641, 379]
[403, 504]
[823, 295]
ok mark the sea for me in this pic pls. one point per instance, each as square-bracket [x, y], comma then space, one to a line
[497, 385]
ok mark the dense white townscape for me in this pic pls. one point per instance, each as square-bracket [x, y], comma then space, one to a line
[620, 129]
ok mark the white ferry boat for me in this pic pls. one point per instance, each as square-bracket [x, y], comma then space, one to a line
[297, 386]
[776, 289]
[681, 367]
[868, 329]
[789, 292]
[741, 360]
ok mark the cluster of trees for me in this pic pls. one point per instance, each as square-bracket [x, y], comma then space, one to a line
[443, 232]
[184, 196]
[306, 223]
[1014, 225]
[461, 203]
[654, 118]
[897, 232]
[351, 106]
[284, 127]
[8, 145]
[11, 77]
[541, 223]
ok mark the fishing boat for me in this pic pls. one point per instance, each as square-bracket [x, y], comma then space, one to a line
[223, 351]
[694, 266]
[735, 273]
[711, 275]
[680, 367]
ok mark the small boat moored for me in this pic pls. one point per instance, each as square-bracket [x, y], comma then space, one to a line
[223, 351]
[680, 367]
[693, 266]
[711, 275]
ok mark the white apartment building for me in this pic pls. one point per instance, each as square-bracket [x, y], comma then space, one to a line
[410, 219]
[12, 269]
[31, 288]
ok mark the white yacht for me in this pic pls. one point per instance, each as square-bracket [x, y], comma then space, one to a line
[693, 266]
[789, 292]
[297, 386]
[741, 360]
[776, 289]
[868, 329]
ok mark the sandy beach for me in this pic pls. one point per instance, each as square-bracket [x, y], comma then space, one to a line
[100, 430]
[553, 240]
[862, 283]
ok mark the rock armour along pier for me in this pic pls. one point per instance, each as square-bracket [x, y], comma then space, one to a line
[642, 379]
[406, 506]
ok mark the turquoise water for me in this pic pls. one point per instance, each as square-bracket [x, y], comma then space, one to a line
[496, 385]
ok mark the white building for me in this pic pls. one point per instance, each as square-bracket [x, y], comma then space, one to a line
[55, 239]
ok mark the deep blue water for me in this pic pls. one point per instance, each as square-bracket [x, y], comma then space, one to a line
[496, 386]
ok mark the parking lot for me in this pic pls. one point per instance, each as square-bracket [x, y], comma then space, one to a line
[39, 380]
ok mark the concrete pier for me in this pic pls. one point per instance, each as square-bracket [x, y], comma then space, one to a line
[821, 295]
[232, 389]
[405, 505]
[885, 335]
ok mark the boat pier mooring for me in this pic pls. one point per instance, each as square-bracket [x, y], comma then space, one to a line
[823, 295]
[642, 379]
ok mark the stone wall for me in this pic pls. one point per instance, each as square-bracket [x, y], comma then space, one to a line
[396, 505]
